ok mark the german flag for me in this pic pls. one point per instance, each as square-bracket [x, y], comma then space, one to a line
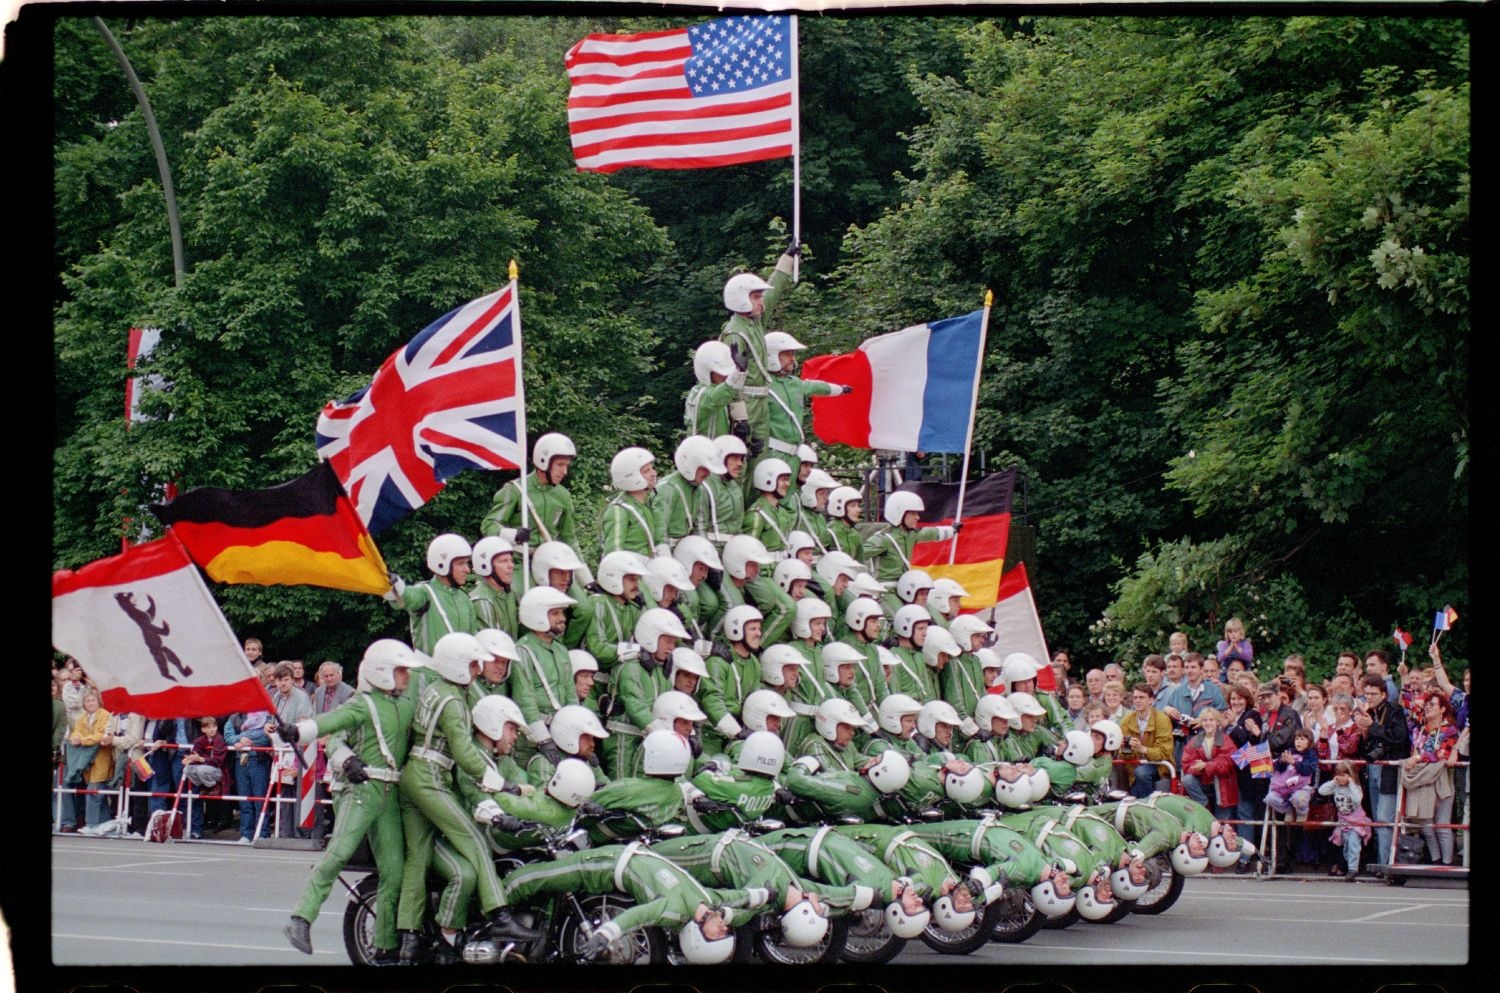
[981, 543]
[301, 533]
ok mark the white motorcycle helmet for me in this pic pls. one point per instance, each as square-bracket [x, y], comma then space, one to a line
[1185, 863]
[551, 446]
[835, 654]
[806, 453]
[551, 555]
[892, 709]
[1113, 736]
[803, 926]
[1078, 747]
[687, 660]
[796, 541]
[907, 619]
[625, 469]
[696, 947]
[741, 550]
[809, 609]
[891, 773]
[738, 288]
[762, 752]
[866, 585]
[912, 582]
[945, 597]
[735, 619]
[1091, 906]
[965, 626]
[816, 480]
[443, 550]
[949, 917]
[1025, 703]
[535, 604]
[933, 713]
[833, 712]
[1041, 784]
[382, 659]
[1013, 794]
[834, 564]
[1018, 667]
[767, 471]
[787, 572]
[572, 721]
[572, 783]
[776, 343]
[713, 357]
[1049, 903]
[581, 661]
[615, 566]
[1125, 888]
[654, 623]
[939, 641]
[672, 704]
[860, 611]
[453, 655]
[665, 753]
[965, 788]
[698, 452]
[1222, 856]
[727, 445]
[774, 658]
[988, 660]
[902, 924]
[493, 712]
[762, 704]
[991, 706]
[499, 644]
[485, 550]
[694, 548]
[899, 504]
[664, 571]
[840, 498]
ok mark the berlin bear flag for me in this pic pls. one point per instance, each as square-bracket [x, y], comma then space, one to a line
[913, 389]
[145, 628]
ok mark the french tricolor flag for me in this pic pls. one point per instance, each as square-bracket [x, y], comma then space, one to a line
[913, 389]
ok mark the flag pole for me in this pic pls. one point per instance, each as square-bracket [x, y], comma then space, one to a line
[963, 480]
[515, 297]
[796, 154]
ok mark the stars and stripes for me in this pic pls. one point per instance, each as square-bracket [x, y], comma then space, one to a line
[714, 94]
[444, 403]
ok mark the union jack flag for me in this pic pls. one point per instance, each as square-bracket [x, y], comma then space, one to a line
[444, 403]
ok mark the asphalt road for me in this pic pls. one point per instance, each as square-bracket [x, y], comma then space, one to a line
[123, 902]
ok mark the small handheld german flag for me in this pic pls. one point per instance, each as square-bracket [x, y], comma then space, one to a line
[1442, 621]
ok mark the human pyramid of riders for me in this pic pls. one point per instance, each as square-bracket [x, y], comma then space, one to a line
[747, 716]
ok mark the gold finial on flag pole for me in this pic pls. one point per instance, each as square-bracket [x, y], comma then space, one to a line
[514, 270]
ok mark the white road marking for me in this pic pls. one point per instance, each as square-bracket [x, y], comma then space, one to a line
[195, 944]
[1387, 913]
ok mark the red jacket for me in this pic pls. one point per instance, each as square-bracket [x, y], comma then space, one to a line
[1220, 769]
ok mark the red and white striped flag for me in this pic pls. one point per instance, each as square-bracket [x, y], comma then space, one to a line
[714, 94]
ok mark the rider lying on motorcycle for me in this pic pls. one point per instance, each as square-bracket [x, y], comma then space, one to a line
[1199, 835]
[955, 901]
[1088, 873]
[822, 855]
[656, 797]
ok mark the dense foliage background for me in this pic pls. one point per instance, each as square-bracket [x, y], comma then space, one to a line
[1230, 255]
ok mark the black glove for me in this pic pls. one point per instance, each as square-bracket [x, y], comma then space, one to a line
[784, 796]
[744, 733]
[289, 733]
[551, 752]
[507, 823]
[794, 247]
[847, 390]
[756, 446]
[596, 945]
[715, 578]
[958, 526]
[591, 809]
[694, 745]
[354, 770]
[738, 355]
[511, 788]
[523, 536]
[704, 805]
[606, 706]
[741, 430]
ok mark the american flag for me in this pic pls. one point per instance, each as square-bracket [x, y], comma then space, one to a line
[713, 94]
[444, 403]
